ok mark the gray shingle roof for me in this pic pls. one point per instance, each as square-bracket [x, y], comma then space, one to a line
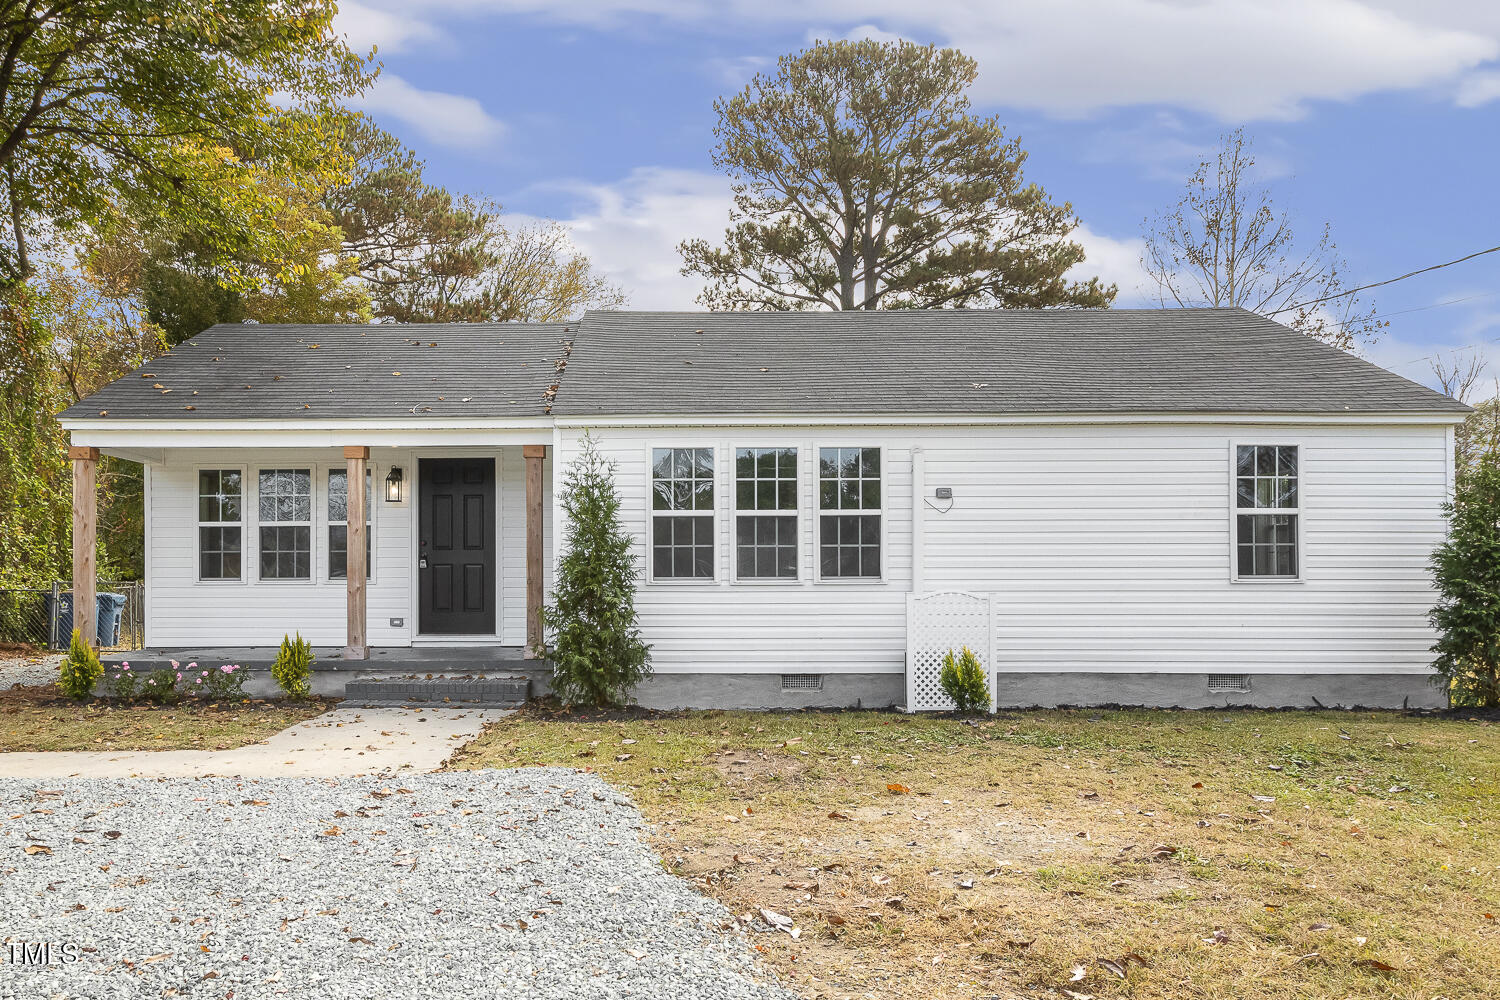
[959, 362]
[271, 371]
[969, 362]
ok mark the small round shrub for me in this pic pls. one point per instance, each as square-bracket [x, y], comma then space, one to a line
[292, 670]
[80, 670]
[963, 680]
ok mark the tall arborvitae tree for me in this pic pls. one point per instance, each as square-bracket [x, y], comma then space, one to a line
[1466, 569]
[596, 649]
[862, 181]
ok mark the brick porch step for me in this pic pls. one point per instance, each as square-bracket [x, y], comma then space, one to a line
[475, 692]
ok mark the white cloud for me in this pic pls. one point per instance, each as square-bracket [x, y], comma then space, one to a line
[446, 119]
[1477, 89]
[631, 228]
[1235, 59]
[1114, 261]
[391, 31]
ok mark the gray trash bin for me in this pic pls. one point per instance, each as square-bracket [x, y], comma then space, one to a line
[111, 608]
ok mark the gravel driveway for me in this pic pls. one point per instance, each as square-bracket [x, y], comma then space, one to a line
[29, 670]
[530, 882]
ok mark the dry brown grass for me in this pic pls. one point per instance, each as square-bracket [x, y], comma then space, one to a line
[40, 718]
[1086, 837]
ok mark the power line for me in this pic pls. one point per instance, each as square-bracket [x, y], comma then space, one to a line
[1435, 305]
[1377, 284]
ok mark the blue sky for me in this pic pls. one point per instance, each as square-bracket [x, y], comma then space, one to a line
[1377, 116]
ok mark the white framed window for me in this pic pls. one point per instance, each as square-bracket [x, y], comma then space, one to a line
[338, 524]
[221, 513]
[682, 514]
[284, 505]
[765, 521]
[851, 497]
[1266, 529]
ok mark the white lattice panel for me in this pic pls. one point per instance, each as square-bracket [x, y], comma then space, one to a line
[936, 623]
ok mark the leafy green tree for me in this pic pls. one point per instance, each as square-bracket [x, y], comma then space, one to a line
[862, 181]
[179, 105]
[64, 340]
[597, 652]
[429, 256]
[1466, 569]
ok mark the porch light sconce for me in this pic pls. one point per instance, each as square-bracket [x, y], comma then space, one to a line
[393, 485]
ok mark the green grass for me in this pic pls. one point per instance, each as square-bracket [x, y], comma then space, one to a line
[41, 719]
[1381, 828]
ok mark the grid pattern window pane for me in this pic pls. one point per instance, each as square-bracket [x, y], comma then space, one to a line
[849, 540]
[285, 508]
[220, 497]
[1266, 476]
[682, 547]
[682, 544]
[1267, 501]
[766, 542]
[338, 524]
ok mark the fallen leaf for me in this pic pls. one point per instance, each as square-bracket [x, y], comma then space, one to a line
[1374, 963]
[38, 849]
[1112, 967]
[838, 815]
[898, 789]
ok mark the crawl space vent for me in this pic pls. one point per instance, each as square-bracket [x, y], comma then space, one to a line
[801, 682]
[1228, 682]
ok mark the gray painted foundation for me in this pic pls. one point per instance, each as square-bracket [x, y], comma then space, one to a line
[1191, 691]
[756, 691]
[1049, 690]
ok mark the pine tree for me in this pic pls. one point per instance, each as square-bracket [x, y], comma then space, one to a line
[1466, 569]
[597, 652]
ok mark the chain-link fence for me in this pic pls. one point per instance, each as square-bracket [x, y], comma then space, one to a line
[38, 616]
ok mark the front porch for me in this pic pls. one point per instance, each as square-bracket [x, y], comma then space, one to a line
[441, 674]
[439, 566]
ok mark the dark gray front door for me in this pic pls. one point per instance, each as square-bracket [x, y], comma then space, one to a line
[456, 546]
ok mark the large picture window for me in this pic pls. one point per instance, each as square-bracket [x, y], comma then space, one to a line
[765, 523]
[220, 528]
[285, 507]
[849, 512]
[338, 524]
[682, 513]
[1267, 505]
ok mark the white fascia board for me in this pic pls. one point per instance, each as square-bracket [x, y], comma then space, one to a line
[1420, 418]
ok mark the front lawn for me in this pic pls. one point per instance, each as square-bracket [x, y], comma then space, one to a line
[40, 718]
[1201, 854]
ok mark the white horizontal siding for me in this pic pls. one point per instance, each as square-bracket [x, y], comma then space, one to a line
[1108, 548]
[187, 612]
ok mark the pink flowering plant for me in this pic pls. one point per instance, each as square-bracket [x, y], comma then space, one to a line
[225, 682]
[159, 687]
[122, 682]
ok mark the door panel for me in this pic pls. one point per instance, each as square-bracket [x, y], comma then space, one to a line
[456, 540]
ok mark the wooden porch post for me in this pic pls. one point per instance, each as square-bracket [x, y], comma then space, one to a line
[535, 454]
[85, 532]
[354, 562]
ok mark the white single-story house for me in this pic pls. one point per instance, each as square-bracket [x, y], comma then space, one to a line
[1161, 507]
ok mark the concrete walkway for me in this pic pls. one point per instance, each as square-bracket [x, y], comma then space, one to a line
[345, 741]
